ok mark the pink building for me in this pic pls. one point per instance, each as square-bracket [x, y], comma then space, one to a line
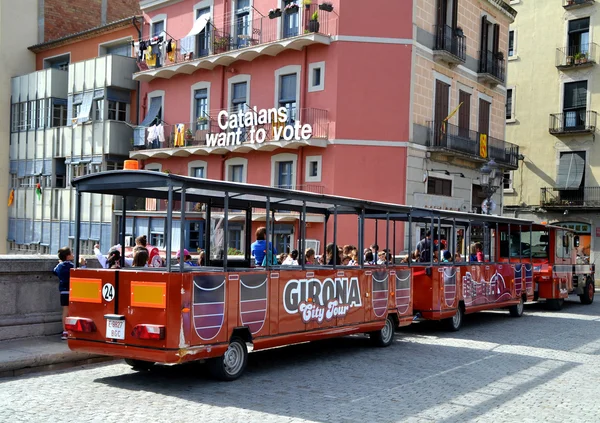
[342, 76]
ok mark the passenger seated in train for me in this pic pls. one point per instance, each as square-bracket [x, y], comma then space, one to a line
[291, 259]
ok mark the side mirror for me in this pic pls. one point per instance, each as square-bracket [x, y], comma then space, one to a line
[576, 241]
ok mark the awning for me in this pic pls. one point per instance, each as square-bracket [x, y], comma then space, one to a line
[199, 25]
[571, 167]
[153, 110]
[86, 107]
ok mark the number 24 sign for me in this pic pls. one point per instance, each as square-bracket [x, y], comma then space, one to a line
[108, 292]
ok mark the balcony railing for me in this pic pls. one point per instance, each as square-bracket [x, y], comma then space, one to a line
[467, 142]
[573, 4]
[224, 34]
[576, 56]
[452, 41]
[583, 197]
[491, 66]
[572, 122]
[195, 134]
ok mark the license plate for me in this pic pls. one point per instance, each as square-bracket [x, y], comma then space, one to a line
[115, 329]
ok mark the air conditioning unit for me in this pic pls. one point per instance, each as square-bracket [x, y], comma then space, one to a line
[311, 243]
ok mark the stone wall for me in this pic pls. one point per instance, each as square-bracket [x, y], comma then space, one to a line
[29, 298]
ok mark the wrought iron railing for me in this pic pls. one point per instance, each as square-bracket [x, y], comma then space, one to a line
[205, 131]
[451, 40]
[224, 34]
[573, 121]
[492, 63]
[583, 197]
[466, 141]
[576, 55]
[567, 4]
[316, 189]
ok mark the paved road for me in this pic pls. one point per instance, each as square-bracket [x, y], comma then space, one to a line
[543, 367]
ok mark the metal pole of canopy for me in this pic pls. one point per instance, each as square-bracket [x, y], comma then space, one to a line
[168, 227]
[182, 231]
[225, 230]
[123, 228]
[77, 226]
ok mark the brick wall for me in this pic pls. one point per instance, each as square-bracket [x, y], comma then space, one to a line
[62, 18]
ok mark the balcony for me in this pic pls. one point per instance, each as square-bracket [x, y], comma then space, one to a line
[587, 197]
[573, 122]
[315, 189]
[226, 40]
[450, 45]
[491, 67]
[464, 143]
[572, 57]
[575, 4]
[205, 136]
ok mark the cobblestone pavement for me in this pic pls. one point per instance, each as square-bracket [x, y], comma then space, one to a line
[542, 367]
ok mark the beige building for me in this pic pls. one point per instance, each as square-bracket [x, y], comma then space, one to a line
[18, 30]
[459, 58]
[552, 113]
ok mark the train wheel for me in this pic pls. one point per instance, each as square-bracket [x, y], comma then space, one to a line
[555, 304]
[139, 365]
[232, 364]
[385, 336]
[517, 309]
[455, 322]
[588, 293]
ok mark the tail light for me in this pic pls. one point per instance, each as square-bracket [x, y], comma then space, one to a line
[148, 332]
[79, 324]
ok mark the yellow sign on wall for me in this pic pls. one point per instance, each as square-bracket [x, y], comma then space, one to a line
[483, 145]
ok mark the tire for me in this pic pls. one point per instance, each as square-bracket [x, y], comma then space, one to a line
[588, 293]
[454, 323]
[385, 336]
[517, 309]
[555, 304]
[139, 365]
[231, 365]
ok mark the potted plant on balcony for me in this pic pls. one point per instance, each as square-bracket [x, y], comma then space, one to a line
[307, 3]
[499, 55]
[221, 44]
[569, 61]
[189, 137]
[202, 120]
[291, 8]
[577, 58]
[326, 6]
[313, 24]
[274, 13]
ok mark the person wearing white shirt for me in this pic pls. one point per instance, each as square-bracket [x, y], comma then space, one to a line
[104, 260]
[291, 259]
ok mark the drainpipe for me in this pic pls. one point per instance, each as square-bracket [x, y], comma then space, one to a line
[303, 90]
[138, 105]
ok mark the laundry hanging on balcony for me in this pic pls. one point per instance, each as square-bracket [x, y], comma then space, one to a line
[179, 135]
[139, 139]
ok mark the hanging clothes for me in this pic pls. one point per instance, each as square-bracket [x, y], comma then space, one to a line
[171, 48]
[152, 134]
[160, 132]
[179, 135]
[150, 57]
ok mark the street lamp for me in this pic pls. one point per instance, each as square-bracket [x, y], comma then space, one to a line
[491, 181]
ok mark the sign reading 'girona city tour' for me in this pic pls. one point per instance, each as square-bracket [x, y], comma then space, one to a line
[246, 126]
[318, 300]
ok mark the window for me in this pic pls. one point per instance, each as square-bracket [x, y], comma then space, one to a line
[285, 173]
[438, 186]
[15, 117]
[579, 36]
[58, 62]
[99, 109]
[23, 116]
[117, 110]
[238, 96]
[510, 104]
[158, 28]
[490, 47]
[291, 19]
[117, 49]
[203, 38]
[242, 23]
[43, 113]
[59, 114]
[114, 166]
[237, 169]
[287, 95]
[464, 113]
[156, 167]
[195, 235]
[441, 107]
[236, 173]
[32, 115]
[313, 169]
[507, 182]
[511, 43]
[197, 172]
[574, 105]
[234, 241]
[157, 232]
[316, 77]
[201, 108]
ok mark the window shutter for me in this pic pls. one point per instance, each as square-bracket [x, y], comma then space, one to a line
[441, 12]
[484, 23]
[496, 38]
[464, 113]
[287, 89]
[455, 14]
[484, 117]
